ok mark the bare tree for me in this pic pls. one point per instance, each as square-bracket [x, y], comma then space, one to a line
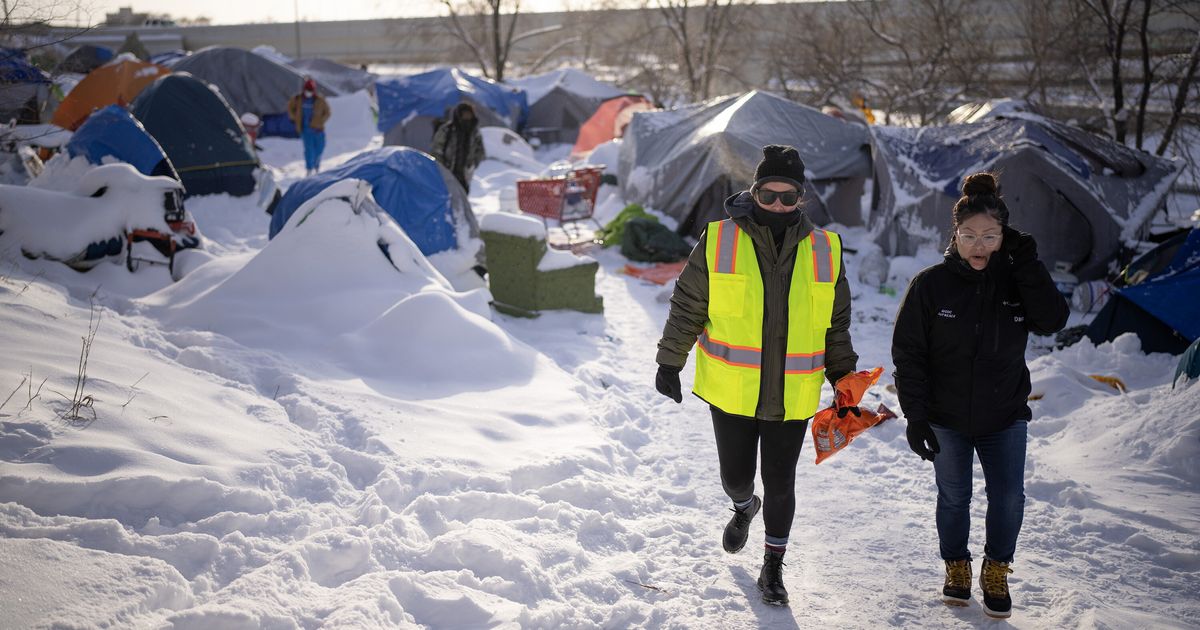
[701, 30]
[488, 28]
[817, 53]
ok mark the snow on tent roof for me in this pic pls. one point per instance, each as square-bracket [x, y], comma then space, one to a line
[343, 79]
[560, 102]
[422, 196]
[113, 83]
[249, 82]
[197, 130]
[669, 160]
[568, 80]
[1057, 180]
[433, 93]
[113, 131]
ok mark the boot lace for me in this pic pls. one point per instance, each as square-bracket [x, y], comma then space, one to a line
[995, 578]
[958, 574]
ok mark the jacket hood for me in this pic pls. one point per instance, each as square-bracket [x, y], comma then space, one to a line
[741, 206]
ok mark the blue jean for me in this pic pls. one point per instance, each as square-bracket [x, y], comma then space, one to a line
[1002, 456]
[314, 146]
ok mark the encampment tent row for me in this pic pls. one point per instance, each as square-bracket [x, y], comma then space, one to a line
[408, 106]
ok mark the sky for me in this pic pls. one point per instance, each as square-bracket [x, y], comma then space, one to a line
[228, 12]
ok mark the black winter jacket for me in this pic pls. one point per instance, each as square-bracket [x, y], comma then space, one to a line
[960, 336]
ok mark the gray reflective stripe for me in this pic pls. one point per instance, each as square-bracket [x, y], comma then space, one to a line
[822, 256]
[727, 237]
[733, 355]
[803, 364]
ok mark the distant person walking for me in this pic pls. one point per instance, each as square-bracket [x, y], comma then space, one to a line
[310, 111]
[765, 301]
[458, 145]
[959, 350]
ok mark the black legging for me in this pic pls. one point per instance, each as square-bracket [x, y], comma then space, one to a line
[738, 438]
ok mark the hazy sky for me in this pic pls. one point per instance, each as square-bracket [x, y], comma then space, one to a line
[242, 11]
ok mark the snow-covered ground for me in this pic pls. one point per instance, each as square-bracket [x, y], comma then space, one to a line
[300, 434]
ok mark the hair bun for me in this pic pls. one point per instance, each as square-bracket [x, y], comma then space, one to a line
[980, 184]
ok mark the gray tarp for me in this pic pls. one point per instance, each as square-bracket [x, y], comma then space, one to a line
[1079, 194]
[343, 79]
[560, 102]
[249, 82]
[684, 162]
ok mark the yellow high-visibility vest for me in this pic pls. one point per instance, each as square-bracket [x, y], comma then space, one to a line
[729, 360]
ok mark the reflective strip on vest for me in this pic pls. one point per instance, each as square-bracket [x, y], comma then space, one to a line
[822, 256]
[803, 363]
[727, 244]
[739, 356]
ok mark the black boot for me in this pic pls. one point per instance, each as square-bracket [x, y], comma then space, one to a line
[770, 579]
[738, 529]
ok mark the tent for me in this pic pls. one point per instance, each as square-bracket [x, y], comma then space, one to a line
[1056, 180]
[114, 132]
[114, 83]
[421, 195]
[168, 58]
[1160, 300]
[201, 135]
[686, 161]
[609, 121]
[560, 102]
[249, 83]
[24, 89]
[337, 77]
[408, 106]
[84, 59]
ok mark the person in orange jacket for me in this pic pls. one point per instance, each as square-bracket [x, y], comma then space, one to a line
[310, 111]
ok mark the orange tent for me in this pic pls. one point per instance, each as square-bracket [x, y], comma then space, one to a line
[609, 121]
[115, 83]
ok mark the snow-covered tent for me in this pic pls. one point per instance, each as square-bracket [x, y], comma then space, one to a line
[408, 106]
[1079, 194]
[685, 162]
[421, 195]
[249, 83]
[114, 132]
[560, 102]
[202, 136]
[340, 78]
[117, 82]
[83, 59]
[24, 89]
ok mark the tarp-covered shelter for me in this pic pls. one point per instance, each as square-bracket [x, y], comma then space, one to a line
[202, 136]
[1079, 194]
[250, 83]
[609, 121]
[420, 194]
[83, 59]
[685, 162]
[560, 102]
[24, 89]
[408, 106]
[1159, 300]
[114, 132]
[340, 78]
[116, 83]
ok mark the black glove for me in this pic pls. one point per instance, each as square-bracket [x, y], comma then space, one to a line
[667, 382]
[842, 411]
[921, 439]
[1019, 246]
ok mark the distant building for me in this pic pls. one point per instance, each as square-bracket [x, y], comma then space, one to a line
[126, 17]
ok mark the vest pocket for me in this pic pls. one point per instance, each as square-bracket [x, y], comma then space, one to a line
[822, 304]
[727, 294]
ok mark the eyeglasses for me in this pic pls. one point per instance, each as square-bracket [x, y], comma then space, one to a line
[768, 197]
[989, 240]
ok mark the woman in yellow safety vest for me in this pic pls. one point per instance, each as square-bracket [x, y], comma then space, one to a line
[764, 298]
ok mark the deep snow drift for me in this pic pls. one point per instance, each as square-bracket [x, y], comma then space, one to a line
[309, 432]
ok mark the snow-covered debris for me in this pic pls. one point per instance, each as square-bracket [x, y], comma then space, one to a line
[520, 225]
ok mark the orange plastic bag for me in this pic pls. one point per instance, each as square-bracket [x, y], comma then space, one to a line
[831, 433]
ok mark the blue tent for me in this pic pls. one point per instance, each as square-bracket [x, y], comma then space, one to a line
[195, 127]
[23, 88]
[1161, 304]
[408, 106]
[421, 195]
[113, 131]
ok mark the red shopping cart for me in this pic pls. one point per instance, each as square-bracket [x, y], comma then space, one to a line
[567, 199]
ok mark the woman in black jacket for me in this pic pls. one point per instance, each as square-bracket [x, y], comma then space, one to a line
[959, 350]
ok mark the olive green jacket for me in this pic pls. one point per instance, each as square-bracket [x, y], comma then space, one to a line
[689, 307]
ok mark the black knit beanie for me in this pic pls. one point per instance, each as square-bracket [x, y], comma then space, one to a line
[780, 163]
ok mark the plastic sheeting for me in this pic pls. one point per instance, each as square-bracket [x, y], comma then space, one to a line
[342, 79]
[199, 133]
[1057, 180]
[420, 195]
[1173, 294]
[684, 162]
[113, 131]
[249, 82]
[432, 94]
